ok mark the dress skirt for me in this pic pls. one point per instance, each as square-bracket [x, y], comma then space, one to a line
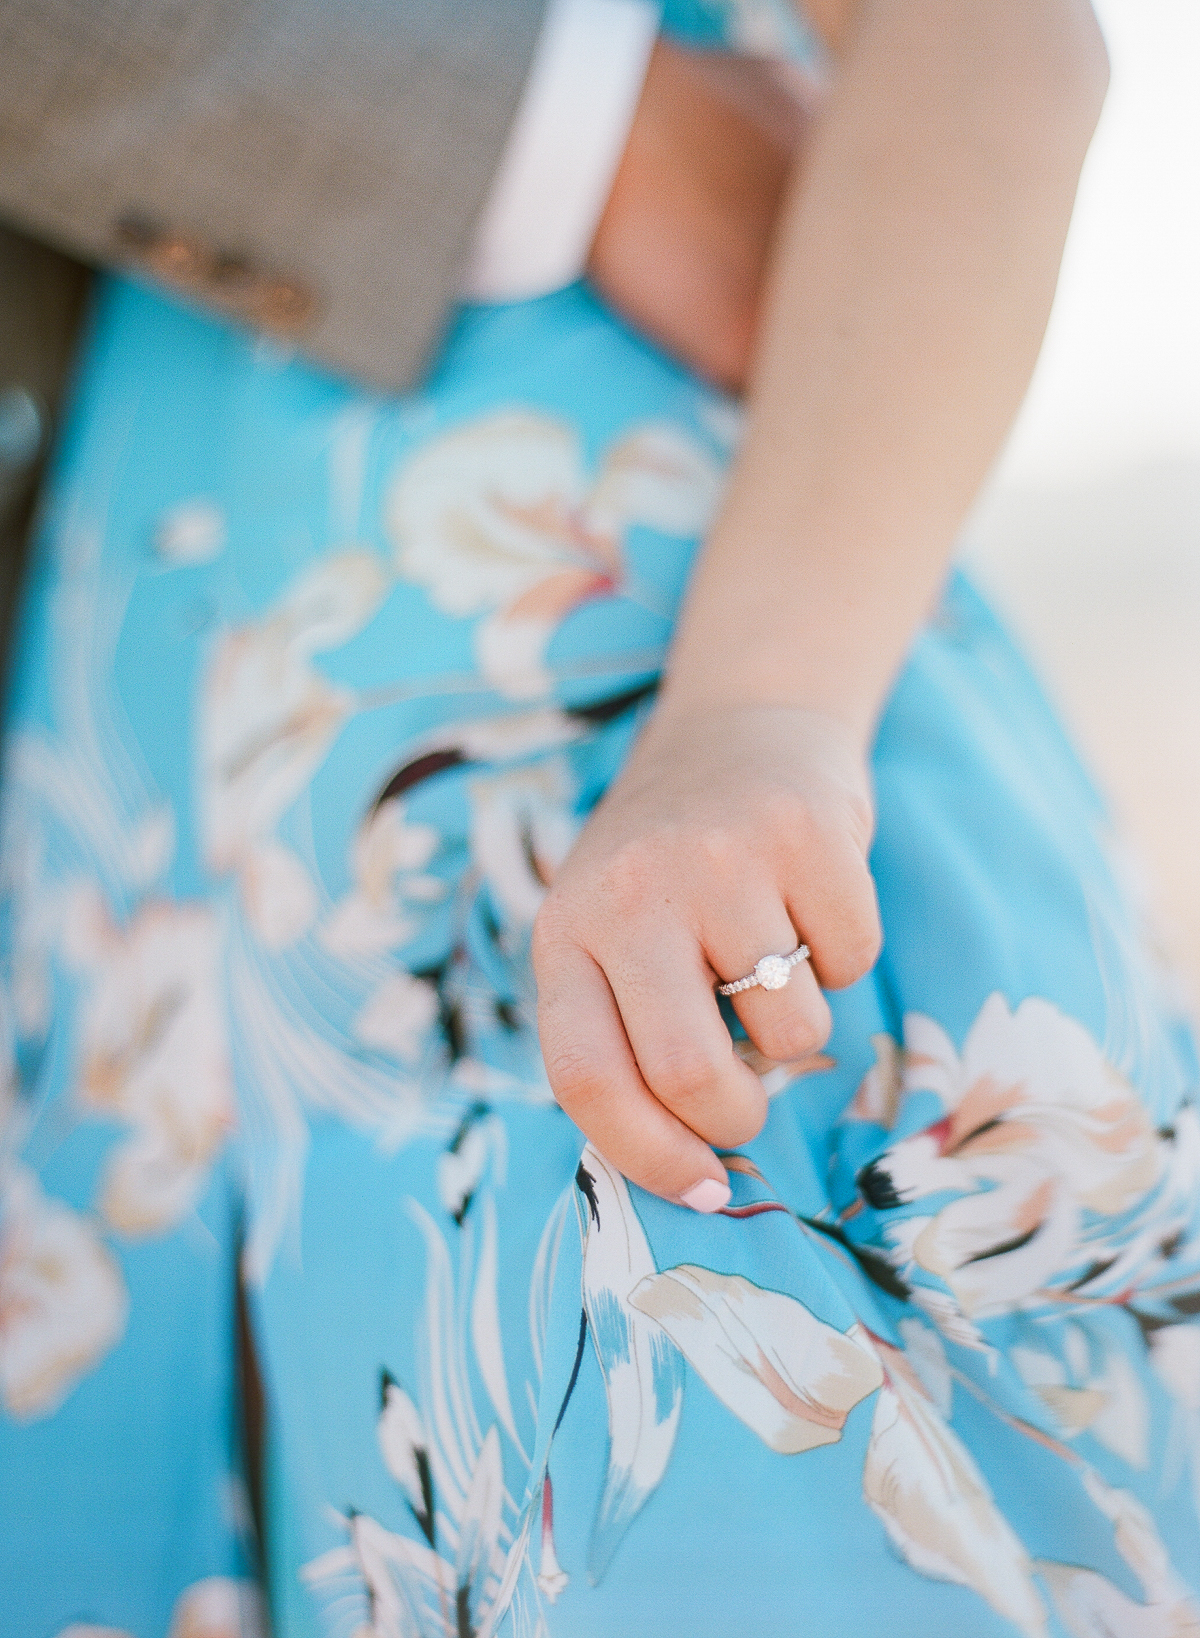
[314, 689]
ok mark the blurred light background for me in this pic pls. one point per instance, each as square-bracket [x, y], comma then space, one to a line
[1088, 534]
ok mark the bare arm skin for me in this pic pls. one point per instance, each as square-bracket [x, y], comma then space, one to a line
[682, 246]
[909, 289]
[917, 261]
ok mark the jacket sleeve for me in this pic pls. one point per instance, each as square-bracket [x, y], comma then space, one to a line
[311, 167]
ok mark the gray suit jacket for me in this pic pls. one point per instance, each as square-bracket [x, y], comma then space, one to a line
[310, 167]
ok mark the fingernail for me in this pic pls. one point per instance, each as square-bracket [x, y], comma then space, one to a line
[707, 1195]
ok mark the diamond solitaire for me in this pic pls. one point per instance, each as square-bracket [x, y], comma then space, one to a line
[771, 973]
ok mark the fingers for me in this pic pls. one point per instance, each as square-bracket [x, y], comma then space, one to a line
[664, 991]
[790, 1023]
[594, 1076]
[637, 1052]
[784, 1024]
[836, 913]
[831, 906]
[673, 882]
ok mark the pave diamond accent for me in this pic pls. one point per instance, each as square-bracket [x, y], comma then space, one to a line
[773, 972]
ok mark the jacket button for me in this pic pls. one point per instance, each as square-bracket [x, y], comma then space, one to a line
[173, 256]
[179, 260]
[285, 304]
[226, 278]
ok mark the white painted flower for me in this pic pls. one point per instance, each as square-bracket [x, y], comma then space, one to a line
[411, 1587]
[398, 1573]
[1073, 1408]
[1175, 1355]
[191, 532]
[1089, 1605]
[389, 854]
[398, 1016]
[479, 1559]
[485, 512]
[390, 844]
[404, 1445]
[656, 477]
[268, 720]
[1038, 1128]
[922, 1483]
[642, 1370]
[278, 895]
[1136, 1538]
[452, 1577]
[941, 1308]
[925, 1352]
[522, 828]
[356, 927]
[152, 1052]
[220, 1606]
[878, 1097]
[786, 1374]
[500, 518]
[1123, 1421]
[63, 1302]
[462, 1166]
[268, 724]
[1105, 1399]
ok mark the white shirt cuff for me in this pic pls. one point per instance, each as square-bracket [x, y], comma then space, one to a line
[563, 149]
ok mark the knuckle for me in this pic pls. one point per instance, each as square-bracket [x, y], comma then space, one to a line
[629, 876]
[573, 1078]
[719, 847]
[681, 1074]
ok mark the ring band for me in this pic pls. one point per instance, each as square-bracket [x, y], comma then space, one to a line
[771, 973]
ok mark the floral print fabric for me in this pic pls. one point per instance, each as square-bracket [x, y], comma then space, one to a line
[314, 692]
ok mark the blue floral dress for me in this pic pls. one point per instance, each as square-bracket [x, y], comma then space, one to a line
[314, 690]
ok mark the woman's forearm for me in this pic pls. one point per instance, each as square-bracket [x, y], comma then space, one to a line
[910, 288]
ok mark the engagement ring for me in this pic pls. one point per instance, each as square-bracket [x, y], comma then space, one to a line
[771, 973]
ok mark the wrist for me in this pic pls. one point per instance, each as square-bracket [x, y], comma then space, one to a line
[756, 679]
[801, 727]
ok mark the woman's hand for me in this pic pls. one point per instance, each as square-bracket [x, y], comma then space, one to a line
[909, 281]
[731, 834]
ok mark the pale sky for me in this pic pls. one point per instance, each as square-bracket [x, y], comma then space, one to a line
[1119, 378]
[1089, 533]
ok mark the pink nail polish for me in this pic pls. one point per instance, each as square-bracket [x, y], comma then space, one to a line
[708, 1195]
